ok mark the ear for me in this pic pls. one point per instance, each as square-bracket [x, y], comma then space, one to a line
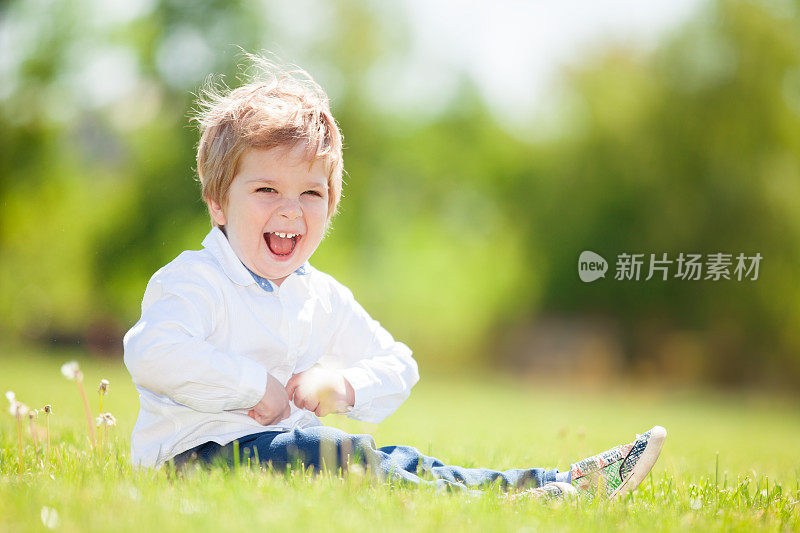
[216, 212]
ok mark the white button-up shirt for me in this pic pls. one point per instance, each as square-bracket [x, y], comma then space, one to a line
[210, 333]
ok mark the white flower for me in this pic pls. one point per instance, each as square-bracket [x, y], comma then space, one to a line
[49, 517]
[71, 370]
[103, 389]
[106, 419]
[18, 409]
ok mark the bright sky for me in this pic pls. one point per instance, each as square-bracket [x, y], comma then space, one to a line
[515, 48]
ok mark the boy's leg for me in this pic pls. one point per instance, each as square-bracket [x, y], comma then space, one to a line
[613, 472]
[328, 447]
[410, 459]
[204, 453]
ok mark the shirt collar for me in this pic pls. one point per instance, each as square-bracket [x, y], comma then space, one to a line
[217, 243]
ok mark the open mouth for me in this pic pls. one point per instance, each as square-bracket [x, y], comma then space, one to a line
[282, 244]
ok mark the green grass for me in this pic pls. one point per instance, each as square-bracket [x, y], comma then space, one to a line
[498, 423]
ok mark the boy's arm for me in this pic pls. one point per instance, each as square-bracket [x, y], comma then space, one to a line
[380, 369]
[166, 351]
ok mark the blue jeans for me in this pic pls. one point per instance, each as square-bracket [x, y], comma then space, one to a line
[327, 447]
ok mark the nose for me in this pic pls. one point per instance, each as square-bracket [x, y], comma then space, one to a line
[290, 208]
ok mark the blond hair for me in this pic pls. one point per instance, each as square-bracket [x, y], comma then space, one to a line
[276, 107]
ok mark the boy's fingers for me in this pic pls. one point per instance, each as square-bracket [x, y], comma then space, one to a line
[291, 385]
[257, 417]
[301, 396]
[299, 399]
[305, 403]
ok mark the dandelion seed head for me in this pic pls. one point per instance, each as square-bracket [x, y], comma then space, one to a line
[106, 419]
[18, 409]
[71, 370]
[49, 517]
[103, 389]
[15, 407]
[32, 413]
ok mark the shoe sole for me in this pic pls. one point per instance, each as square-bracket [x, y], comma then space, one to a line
[645, 462]
[567, 490]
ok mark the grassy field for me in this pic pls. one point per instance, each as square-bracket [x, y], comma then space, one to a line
[753, 482]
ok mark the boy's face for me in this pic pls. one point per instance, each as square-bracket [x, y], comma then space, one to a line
[275, 192]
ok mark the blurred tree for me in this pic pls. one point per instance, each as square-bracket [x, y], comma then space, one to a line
[453, 231]
[693, 149]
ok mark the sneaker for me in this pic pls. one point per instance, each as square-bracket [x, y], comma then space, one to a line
[555, 490]
[620, 469]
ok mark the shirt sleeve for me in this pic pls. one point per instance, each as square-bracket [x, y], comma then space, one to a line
[380, 369]
[167, 352]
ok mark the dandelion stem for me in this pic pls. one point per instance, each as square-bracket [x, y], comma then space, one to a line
[88, 412]
[101, 420]
[33, 435]
[48, 438]
[19, 439]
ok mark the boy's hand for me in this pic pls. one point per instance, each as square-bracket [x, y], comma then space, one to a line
[274, 406]
[321, 391]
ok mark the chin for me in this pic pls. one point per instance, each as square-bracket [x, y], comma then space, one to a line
[272, 273]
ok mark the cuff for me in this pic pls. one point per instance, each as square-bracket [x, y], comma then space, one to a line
[252, 384]
[362, 384]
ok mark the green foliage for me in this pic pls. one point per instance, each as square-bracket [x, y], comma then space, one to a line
[453, 231]
[695, 148]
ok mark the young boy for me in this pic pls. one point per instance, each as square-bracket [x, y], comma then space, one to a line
[243, 344]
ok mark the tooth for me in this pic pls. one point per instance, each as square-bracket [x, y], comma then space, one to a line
[281, 235]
